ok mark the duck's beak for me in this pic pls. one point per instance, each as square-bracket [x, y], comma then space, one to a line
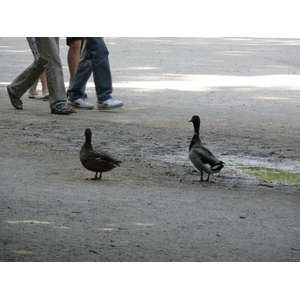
[190, 120]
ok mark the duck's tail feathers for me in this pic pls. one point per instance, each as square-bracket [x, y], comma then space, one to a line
[218, 166]
[118, 163]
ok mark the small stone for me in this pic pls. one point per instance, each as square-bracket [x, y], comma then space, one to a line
[93, 251]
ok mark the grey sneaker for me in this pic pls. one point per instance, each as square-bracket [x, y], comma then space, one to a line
[80, 103]
[109, 104]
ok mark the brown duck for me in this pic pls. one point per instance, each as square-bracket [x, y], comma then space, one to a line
[96, 161]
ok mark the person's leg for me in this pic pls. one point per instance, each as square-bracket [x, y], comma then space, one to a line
[73, 57]
[43, 79]
[102, 75]
[33, 93]
[23, 82]
[48, 48]
[32, 44]
[26, 79]
[101, 68]
[32, 90]
[83, 73]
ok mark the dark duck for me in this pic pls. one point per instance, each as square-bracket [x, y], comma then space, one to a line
[200, 156]
[96, 161]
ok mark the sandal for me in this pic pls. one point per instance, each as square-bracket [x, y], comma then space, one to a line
[46, 97]
[61, 109]
[15, 102]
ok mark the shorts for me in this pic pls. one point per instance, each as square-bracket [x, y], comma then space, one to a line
[71, 39]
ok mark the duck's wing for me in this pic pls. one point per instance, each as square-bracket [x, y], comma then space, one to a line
[205, 155]
[103, 156]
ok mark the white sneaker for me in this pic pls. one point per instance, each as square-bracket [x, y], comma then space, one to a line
[79, 103]
[109, 104]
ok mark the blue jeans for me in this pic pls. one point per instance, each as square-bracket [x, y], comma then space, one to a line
[94, 58]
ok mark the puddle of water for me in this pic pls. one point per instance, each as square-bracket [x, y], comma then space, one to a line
[285, 172]
[273, 175]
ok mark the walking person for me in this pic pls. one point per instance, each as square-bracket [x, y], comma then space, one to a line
[94, 59]
[48, 61]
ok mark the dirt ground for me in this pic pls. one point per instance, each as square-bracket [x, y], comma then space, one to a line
[246, 92]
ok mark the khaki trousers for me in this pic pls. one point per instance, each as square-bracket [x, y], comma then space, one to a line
[49, 61]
